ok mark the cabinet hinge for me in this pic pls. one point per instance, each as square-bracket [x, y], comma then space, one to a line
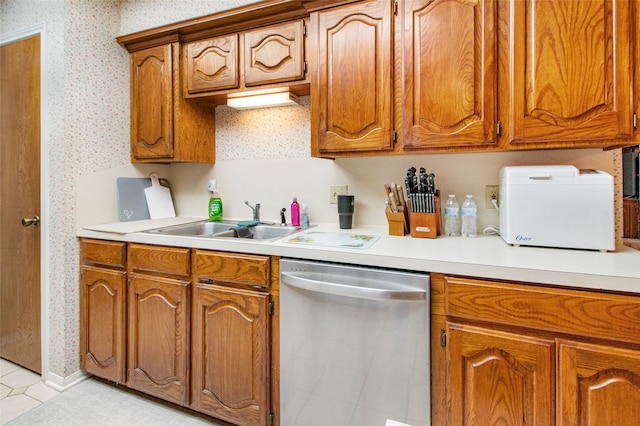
[304, 30]
[395, 136]
[395, 8]
[272, 308]
[635, 121]
[128, 283]
[443, 338]
[304, 67]
[271, 419]
[128, 374]
[498, 128]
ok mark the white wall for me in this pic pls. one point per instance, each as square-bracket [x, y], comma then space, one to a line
[263, 155]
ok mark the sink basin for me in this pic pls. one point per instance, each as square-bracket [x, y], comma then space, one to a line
[227, 229]
[196, 229]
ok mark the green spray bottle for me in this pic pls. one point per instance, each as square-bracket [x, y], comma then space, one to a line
[215, 202]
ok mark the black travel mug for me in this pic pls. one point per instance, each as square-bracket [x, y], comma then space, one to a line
[345, 211]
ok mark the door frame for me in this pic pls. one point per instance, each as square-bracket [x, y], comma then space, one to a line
[40, 29]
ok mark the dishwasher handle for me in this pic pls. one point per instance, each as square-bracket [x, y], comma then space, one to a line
[347, 290]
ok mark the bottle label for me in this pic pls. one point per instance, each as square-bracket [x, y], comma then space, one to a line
[469, 211]
[451, 210]
[215, 210]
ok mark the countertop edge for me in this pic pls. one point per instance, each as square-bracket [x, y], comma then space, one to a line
[486, 256]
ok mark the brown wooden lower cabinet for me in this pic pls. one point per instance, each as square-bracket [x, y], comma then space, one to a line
[230, 354]
[103, 283]
[159, 321]
[597, 384]
[499, 378]
[523, 354]
[159, 337]
[194, 327]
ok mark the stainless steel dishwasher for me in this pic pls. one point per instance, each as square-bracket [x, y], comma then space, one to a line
[354, 345]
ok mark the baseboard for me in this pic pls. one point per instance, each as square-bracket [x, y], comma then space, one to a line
[62, 384]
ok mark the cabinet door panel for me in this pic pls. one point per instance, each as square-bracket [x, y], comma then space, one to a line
[159, 337]
[152, 103]
[449, 88]
[499, 378]
[102, 329]
[598, 385]
[212, 64]
[231, 354]
[353, 81]
[274, 54]
[570, 76]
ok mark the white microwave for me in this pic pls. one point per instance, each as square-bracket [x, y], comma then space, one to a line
[557, 206]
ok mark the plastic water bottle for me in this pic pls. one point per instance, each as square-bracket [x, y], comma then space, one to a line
[451, 216]
[469, 217]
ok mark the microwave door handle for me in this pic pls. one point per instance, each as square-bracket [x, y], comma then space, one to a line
[347, 290]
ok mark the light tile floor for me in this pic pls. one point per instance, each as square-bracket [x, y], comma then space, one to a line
[21, 390]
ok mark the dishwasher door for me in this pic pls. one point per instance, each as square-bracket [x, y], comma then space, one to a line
[354, 346]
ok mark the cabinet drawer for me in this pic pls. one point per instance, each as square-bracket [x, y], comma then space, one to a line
[158, 259]
[107, 253]
[608, 316]
[232, 268]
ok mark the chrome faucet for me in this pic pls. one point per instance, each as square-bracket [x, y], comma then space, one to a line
[256, 211]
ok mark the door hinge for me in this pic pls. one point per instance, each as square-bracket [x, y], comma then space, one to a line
[271, 419]
[498, 128]
[272, 308]
[635, 121]
[395, 8]
[395, 136]
[443, 338]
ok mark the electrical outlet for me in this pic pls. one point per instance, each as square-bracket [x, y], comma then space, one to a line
[492, 192]
[336, 190]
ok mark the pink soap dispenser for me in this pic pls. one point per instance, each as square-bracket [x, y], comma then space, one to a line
[295, 212]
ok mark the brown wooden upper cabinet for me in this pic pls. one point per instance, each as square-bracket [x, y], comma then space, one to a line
[164, 126]
[453, 75]
[395, 71]
[351, 58]
[567, 68]
[447, 79]
[212, 64]
[264, 56]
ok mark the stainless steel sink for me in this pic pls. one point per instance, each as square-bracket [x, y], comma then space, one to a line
[196, 229]
[227, 229]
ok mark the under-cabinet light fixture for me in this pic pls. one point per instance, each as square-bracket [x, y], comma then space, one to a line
[264, 100]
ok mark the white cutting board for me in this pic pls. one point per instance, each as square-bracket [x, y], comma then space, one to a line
[159, 199]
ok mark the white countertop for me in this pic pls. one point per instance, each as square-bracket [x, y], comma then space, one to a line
[485, 256]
